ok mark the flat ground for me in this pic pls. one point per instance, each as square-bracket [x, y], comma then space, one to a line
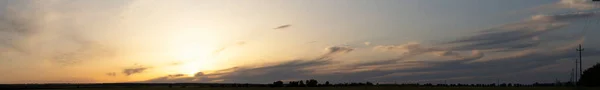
[346, 88]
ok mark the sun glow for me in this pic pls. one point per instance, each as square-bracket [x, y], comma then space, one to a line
[193, 49]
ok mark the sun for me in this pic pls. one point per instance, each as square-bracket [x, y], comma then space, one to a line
[193, 50]
[194, 58]
[190, 68]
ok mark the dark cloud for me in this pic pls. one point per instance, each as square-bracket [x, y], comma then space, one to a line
[177, 75]
[199, 74]
[519, 35]
[448, 54]
[518, 39]
[500, 52]
[169, 79]
[284, 70]
[131, 71]
[335, 50]
[283, 26]
[466, 68]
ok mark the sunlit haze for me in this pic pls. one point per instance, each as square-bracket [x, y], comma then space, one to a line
[261, 41]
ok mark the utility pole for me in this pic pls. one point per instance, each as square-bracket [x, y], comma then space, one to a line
[579, 49]
[576, 71]
[572, 74]
[498, 81]
[580, 61]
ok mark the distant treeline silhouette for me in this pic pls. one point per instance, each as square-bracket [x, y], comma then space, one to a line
[589, 78]
[313, 83]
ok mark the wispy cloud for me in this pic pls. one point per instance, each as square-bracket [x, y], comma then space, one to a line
[518, 45]
[283, 26]
[578, 5]
[367, 43]
[131, 71]
[284, 70]
[111, 74]
[335, 50]
[43, 30]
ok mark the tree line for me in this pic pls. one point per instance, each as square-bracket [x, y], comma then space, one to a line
[589, 78]
[314, 83]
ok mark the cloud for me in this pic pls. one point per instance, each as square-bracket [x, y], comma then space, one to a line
[111, 74]
[169, 79]
[407, 49]
[335, 50]
[338, 49]
[223, 48]
[448, 53]
[563, 17]
[283, 26]
[280, 71]
[265, 74]
[131, 71]
[417, 71]
[576, 4]
[367, 43]
[521, 35]
[524, 46]
[241, 43]
[45, 30]
[579, 5]
[177, 75]
[199, 74]
[510, 38]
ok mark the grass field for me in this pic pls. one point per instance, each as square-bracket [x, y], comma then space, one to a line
[346, 88]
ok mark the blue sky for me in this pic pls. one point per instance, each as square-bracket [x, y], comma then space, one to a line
[405, 41]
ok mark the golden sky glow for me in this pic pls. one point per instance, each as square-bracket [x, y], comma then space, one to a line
[96, 41]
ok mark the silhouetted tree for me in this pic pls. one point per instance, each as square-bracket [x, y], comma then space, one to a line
[591, 76]
[293, 84]
[278, 84]
[369, 83]
[327, 83]
[301, 84]
[427, 84]
[312, 83]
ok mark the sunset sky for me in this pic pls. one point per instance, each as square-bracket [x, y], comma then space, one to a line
[261, 41]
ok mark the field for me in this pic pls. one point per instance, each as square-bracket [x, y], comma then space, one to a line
[342, 88]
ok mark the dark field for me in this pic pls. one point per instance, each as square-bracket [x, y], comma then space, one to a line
[343, 88]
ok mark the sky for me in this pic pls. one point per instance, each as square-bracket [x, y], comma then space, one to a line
[261, 41]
